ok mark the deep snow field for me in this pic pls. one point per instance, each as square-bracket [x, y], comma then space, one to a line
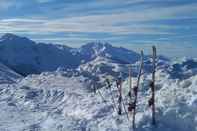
[53, 102]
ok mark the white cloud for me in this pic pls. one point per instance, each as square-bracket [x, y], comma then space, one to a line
[94, 23]
[125, 22]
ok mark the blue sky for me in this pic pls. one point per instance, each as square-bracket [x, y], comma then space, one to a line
[171, 25]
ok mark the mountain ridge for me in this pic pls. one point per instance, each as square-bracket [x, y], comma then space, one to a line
[27, 57]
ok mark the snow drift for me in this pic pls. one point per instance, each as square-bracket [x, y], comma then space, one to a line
[50, 101]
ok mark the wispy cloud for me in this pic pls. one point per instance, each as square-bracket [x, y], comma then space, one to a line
[128, 21]
[110, 23]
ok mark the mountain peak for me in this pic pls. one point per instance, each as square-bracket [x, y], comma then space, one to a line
[96, 45]
[9, 36]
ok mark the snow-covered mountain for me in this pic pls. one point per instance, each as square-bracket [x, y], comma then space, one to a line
[26, 57]
[91, 50]
[7, 75]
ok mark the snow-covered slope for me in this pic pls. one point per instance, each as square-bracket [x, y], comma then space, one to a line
[26, 57]
[103, 66]
[91, 50]
[184, 68]
[7, 75]
[54, 102]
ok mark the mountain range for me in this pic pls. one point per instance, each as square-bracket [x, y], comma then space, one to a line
[25, 56]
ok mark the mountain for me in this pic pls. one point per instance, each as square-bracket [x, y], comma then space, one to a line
[25, 56]
[7, 75]
[28, 57]
[121, 55]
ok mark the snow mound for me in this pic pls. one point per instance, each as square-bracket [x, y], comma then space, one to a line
[54, 102]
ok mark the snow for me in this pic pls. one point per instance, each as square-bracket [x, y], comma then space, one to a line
[63, 100]
[7, 75]
[28, 57]
[50, 101]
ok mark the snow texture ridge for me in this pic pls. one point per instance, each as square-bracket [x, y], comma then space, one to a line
[50, 101]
